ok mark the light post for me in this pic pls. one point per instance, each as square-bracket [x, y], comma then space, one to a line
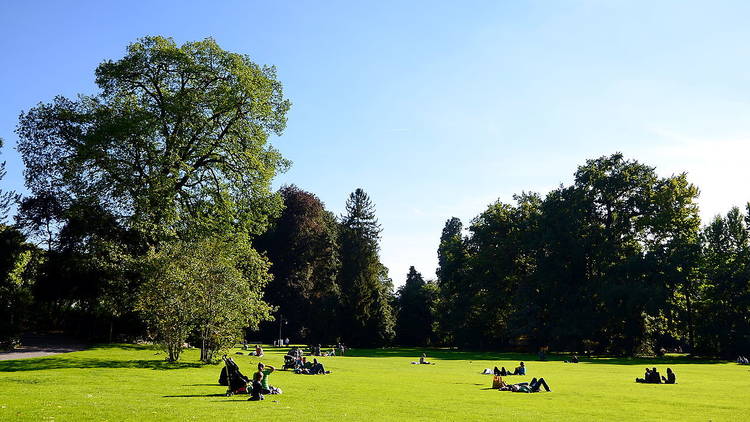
[282, 321]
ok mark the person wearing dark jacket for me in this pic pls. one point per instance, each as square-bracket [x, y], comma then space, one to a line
[655, 376]
[646, 378]
[670, 379]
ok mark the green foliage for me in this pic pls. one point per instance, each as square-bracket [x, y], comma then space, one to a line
[210, 286]
[18, 263]
[173, 147]
[609, 263]
[724, 324]
[452, 302]
[303, 246]
[365, 285]
[415, 310]
[174, 143]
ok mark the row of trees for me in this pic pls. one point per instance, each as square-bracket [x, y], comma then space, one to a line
[616, 262]
[151, 213]
[151, 205]
[329, 284]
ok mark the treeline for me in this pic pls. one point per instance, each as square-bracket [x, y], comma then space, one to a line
[150, 215]
[617, 263]
[328, 282]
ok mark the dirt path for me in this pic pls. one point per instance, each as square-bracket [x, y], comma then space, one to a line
[38, 345]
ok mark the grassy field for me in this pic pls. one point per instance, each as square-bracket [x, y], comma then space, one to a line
[124, 382]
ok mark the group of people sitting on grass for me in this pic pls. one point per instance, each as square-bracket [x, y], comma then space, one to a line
[317, 351]
[306, 367]
[296, 361]
[743, 360]
[520, 370]
[652, 376]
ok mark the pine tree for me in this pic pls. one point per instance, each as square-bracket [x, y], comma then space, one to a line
[364, 281]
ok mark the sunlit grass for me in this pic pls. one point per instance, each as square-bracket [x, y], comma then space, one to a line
[134, 383]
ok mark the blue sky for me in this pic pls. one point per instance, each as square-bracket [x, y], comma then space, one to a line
[437, 109]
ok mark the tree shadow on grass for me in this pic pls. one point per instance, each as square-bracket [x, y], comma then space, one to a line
[41, 364]
[452, 354]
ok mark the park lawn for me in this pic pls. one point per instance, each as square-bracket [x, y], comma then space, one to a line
[133, 383]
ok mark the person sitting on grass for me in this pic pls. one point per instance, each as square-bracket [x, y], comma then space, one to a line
[742, 360]
[655, 376]
[260, 382]
[502, 371]
[317, 368]
[423, 360]
[527, 387]
[646, 377]
[520, 370]
[652, 376]
[258, 351]
[670, 379]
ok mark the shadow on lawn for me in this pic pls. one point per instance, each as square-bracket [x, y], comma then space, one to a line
[447, 354]
[198, 395]
[84, 363]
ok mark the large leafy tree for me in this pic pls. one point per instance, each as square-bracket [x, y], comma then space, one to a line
[364, 281]
[724, 326]
[175, 145]
[302, 244]
[176, 140]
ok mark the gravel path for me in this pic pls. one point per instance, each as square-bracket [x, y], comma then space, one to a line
[38, 345]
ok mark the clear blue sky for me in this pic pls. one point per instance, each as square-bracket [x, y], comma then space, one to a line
[437, 109]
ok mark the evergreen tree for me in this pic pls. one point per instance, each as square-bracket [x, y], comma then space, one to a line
[453, 298]
[364, 281]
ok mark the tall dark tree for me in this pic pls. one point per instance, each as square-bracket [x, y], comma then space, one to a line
[302, 245]
[724, 327]
[453, 299]
[415, 312]
[364, 281]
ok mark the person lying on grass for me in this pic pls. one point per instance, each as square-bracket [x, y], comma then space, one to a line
[503, 372]
[525, 387]
[260, 383]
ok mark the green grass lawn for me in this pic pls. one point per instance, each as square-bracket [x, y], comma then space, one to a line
[123, 382]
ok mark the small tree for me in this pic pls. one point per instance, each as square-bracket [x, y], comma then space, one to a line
[210, 286]
[166, 298]
[228, 283]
